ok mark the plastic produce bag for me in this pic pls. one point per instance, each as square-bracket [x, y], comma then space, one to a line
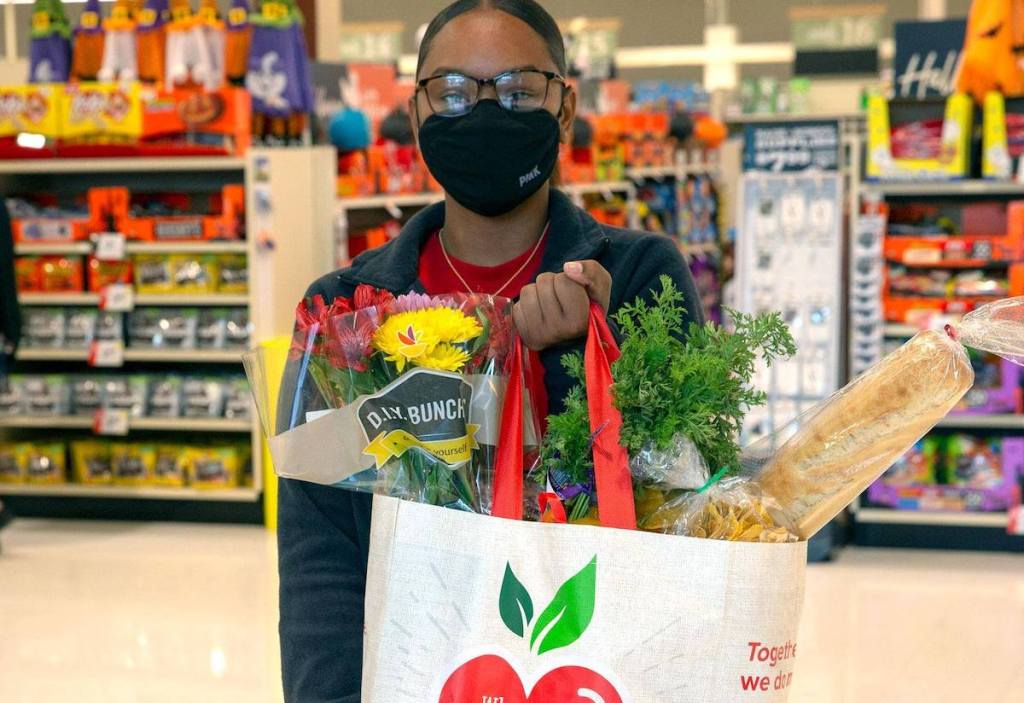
[400, 397]
[731, 509]
[679, 466]
[847, 441]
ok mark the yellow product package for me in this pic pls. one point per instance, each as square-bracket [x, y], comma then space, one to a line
[171, 469]
[132, 464]
[214, 467]
[46, 462]
[233, 273]
[13, 462]
[154, 274]
[90, 462]
[195, 273]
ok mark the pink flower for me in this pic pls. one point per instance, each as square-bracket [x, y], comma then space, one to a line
[411, 302]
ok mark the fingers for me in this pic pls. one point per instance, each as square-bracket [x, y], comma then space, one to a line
[575, 304]
[528, 318]
[593, 277]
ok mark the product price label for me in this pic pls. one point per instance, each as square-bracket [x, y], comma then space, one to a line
[118, 297]
[1015, 525]
[109, 246]
[106, 353]
[108, 421]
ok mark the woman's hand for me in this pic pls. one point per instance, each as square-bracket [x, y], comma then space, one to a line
[556, 308]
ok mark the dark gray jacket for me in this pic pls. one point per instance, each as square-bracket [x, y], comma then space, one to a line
[323, 532]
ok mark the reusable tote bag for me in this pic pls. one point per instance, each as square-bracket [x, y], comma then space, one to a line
[467, 608]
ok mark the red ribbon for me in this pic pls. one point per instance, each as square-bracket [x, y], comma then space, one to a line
[613, 482]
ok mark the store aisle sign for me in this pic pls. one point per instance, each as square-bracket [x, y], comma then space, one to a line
[791, 146]
[371, 42]
[927, 58]
[836, 39]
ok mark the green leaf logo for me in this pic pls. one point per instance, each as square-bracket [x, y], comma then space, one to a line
[514, 604]
[569, 613]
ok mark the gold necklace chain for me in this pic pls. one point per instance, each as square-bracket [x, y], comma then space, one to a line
[497, 293]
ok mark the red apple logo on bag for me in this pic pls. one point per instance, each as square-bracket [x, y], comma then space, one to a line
[492, 679]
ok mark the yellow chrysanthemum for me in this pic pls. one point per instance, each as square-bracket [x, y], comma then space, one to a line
[443, 357]
[410, 336]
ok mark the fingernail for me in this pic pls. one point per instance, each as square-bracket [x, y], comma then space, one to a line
[573, 267]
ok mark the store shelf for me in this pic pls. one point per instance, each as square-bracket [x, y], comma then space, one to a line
[122, 165]
[164, 424]
[204, 299]
[944, 188]
[885, 516]
[197, 299]
[657, 172]
[147, 492]
[59, 298]
[187, 247]
[386, 202]
[769, 118]
[184, 356]
[598, 187]
[983, 422]
[55, 249]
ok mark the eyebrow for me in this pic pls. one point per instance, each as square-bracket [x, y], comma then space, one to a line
[442, 70]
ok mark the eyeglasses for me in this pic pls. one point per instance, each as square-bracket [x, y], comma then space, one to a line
[453, 94]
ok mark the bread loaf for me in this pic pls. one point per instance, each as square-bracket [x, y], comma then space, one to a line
[863, 429]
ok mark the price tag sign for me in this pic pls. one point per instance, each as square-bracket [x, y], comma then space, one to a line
[109, 421]
[371, 42]
[117, 297]
[109, 246]
[107, 353]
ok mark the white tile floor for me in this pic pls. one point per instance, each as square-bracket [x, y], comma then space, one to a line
[150, 613]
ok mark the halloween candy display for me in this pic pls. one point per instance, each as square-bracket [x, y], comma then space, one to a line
[49, 47]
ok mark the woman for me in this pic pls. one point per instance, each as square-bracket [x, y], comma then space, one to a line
[490, 109]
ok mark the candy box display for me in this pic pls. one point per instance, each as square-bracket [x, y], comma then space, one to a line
[13, 462]
[45, 463]
[967, 474]
[91, 462]
[104, 273]
[40, 218]
[126, 393]
[44, 395]
[132, 464]
[216, 467]
[920, 139]
[165, 396]
[997, 387]
[171, 468]
[163, 328]
[1002, 137]
[86, 394]
[202, 397]
[174, 216]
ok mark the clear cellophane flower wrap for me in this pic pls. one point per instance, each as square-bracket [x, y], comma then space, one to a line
[842, 445]
[395, 396]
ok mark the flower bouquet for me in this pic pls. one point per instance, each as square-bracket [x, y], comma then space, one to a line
[397, 396]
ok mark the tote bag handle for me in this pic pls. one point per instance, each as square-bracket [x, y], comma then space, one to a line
[613, 483]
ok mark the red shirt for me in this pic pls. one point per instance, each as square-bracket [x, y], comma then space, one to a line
[437, 278]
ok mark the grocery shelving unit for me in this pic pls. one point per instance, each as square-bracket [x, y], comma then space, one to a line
[241, 504]
[879, 526]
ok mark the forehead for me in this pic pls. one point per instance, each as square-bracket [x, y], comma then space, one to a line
[483, 43]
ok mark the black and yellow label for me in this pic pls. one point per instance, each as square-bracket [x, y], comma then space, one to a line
[425, 410]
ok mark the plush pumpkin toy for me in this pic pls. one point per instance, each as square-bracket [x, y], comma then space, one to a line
[993, 49]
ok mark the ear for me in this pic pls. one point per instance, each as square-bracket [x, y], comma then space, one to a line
[568, 117]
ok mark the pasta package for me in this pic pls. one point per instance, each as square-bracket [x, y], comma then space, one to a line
[847, 441]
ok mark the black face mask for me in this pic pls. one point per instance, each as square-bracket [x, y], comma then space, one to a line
[491, 160]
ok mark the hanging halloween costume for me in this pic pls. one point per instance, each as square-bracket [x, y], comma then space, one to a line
[120, 61]
[87, 57]
[238, 39]
[151, 36]
[49, 47]
[278, 75]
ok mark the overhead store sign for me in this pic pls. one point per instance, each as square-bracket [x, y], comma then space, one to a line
[371, 42]
[590, 45]
[836, 39]
[927, 58]
[791, 146]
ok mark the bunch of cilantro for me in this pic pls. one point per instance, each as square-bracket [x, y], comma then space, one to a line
[665, 387]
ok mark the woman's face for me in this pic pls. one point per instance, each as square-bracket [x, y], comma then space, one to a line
[484, 43]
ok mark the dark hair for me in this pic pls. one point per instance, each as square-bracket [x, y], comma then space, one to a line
[529, 11]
